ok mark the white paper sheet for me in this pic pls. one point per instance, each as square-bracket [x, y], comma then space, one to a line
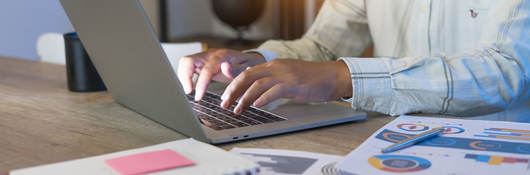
[466, 147]
[285, 162]
[208, 159]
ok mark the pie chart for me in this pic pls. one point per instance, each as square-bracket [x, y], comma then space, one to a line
[413, 127]
[399, 163]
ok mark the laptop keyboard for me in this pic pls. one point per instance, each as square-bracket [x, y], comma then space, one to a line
[213, 116]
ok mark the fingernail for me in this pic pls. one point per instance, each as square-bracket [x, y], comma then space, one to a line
[257, 103]
[197, 96]
[223, 104]
[237, 110]
[223, 97]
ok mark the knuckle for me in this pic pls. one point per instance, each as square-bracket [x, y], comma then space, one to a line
[220, 51]
[262, 82]
[185, 58]
[244, 75]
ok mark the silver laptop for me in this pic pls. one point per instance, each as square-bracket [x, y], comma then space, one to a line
[127, 54]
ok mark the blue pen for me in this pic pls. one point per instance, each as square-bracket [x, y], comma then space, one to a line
[412, 140]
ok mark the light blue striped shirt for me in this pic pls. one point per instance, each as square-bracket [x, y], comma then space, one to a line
[453, 57]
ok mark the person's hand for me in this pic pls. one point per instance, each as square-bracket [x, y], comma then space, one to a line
[217, 64]
[287, 78]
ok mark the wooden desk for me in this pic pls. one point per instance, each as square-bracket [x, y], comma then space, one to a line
[42, 122]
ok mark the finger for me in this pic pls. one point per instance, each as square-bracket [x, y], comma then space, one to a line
[238, 86]
[185, 73]
[236, 69]
[229, 71]
[254, 91]
[225, 69]
[274, 93]
[225, 76]
[205, 76]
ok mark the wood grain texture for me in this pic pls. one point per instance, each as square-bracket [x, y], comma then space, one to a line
[42, 122]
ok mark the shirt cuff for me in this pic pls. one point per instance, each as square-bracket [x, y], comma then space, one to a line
[371, 84]
[269, 55]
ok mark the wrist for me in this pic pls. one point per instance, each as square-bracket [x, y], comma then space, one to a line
[344, 82]
[256, 58]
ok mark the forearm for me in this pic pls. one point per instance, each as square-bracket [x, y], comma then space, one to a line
[490, 78]
[458, 85]
[303, 48]
[343, 87]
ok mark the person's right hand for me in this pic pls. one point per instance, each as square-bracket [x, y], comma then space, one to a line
[221, 65]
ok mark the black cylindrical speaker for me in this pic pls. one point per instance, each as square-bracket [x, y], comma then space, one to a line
[80, 72]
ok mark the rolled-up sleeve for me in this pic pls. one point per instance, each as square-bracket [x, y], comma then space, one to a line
[338, 23]
[490, 78]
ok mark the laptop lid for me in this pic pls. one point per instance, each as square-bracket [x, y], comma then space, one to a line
[135, 69]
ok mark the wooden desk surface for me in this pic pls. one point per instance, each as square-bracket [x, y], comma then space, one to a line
[42, 122]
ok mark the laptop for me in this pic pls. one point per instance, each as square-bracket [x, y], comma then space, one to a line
[128, 56]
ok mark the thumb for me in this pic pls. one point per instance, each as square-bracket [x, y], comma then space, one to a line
[231, 70]
[226, 70]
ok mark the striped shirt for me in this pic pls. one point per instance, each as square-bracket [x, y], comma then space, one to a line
[452, 57]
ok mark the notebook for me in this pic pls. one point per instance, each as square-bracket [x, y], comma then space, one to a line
[189, 157]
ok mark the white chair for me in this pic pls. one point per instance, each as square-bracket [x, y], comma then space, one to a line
[50, 48]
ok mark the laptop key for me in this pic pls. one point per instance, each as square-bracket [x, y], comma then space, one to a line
[217, 118]
[257, 117]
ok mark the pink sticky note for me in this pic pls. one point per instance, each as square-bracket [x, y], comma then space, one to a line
[148, 162]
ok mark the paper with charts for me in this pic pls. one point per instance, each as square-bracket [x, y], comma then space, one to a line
[465, 147]
[286, 162]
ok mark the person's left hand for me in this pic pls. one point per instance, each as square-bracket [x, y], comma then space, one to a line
[288, 78]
